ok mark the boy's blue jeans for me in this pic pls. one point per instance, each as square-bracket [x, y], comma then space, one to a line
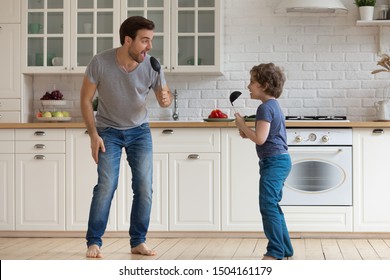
[273, 173]
[137, 143]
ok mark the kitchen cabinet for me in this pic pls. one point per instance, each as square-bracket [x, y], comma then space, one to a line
[81, 177]
[7, 171]
[159, 214]
[81, 174]
[10, 11]
[371, 179]
[9, 110]
[10, 78]
[194, 176]
[240, 178]
[62, 36]
[240, 194]
[40, 179]
[188, 34]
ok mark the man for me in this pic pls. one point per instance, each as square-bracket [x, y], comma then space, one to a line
[123, 77]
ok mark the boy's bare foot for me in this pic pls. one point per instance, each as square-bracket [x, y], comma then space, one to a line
[269, 258]
[142, 249]
[93, 251]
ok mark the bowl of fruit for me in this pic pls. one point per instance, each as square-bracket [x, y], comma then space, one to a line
[53, 98]
[53, 116]
[217, 115]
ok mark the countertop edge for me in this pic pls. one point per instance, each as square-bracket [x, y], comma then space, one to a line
[199, 124]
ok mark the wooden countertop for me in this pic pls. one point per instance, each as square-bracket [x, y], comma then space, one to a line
[200, 124]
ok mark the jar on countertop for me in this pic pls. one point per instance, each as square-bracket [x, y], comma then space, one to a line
[381, 12]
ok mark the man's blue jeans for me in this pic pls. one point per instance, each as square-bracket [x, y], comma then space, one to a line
[137, 143]
[273, 173]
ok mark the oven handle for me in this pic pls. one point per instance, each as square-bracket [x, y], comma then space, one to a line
[316, 150]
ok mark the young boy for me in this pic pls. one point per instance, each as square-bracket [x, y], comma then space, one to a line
[266, 84]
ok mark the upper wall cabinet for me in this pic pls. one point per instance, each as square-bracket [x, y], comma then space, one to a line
[10, 11]
[61, 36]
[188, 34]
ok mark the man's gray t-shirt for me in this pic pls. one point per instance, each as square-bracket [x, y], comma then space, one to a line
[122, 95]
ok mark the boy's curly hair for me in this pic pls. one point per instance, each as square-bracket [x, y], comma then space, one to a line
[269, 76]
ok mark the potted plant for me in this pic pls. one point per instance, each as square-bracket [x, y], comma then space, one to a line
[366, 9]
[95, 104]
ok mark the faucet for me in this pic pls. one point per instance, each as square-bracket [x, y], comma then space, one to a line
[175, 115]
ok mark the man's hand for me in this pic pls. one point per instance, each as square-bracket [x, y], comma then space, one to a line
[164, 98]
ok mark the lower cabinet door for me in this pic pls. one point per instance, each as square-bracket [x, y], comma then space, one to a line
[159, 214]
[81, 177]
[7, 213]
[194, 192]
[40, 191]
[240, 181]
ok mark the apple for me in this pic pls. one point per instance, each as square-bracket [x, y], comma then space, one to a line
[66, 114]
[57, 114]
[39, 115]
[46, 114]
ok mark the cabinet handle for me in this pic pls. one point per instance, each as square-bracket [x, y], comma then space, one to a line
[193, 156]
[378, 131]
[40, 146]
[39, 133]
[167, 131]
[40, 157]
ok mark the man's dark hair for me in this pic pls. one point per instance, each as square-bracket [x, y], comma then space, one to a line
[131, 26]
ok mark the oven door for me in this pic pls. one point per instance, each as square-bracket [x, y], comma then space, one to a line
[319, 176]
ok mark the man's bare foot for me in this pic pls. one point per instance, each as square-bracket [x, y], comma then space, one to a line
[93, 251]
[142, 249]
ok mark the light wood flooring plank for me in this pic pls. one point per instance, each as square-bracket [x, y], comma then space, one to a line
[211, 249]
[24, 250]
[62, 250]
[228, 249]
[331, 249]
[299, 249]
[177, 249]
[194, 249]
[381, 248]
[348, 250]
[365, 249]
[260, 249]
[162, 248]
[245, 250]
[119, 250]
[313, 249]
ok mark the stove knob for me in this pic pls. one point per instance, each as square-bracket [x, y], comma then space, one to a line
[298, 139]
[312, 137]
[325, 138]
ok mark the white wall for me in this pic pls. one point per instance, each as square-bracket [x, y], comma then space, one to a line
[327, 58]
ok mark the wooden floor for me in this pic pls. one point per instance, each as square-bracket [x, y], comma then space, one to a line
[194, 249]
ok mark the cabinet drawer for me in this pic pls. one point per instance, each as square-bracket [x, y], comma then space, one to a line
[6, 147]
[9, 117]
[40, 134]
[9, 104]
[186, 140]
[7, 134]
[40, 147]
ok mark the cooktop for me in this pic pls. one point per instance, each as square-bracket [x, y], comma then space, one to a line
[316, 118]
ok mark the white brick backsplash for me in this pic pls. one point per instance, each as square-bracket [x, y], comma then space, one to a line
[327, 58]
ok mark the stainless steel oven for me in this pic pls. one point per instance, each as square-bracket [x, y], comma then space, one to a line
[321, 171]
